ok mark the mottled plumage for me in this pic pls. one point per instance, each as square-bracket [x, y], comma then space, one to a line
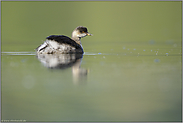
[56, 44]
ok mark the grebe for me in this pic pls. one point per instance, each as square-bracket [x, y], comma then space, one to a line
[60, 44]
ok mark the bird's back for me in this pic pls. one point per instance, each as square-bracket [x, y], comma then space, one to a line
[59, 44]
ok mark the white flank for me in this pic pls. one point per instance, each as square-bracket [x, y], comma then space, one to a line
[53, 44]
[42, 46]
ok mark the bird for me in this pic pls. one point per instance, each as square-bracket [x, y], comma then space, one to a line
[61, 44]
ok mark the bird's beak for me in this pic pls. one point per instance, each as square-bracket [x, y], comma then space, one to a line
[89, 34]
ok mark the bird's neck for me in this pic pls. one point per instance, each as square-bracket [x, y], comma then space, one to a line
[77, 40]
[75, 37]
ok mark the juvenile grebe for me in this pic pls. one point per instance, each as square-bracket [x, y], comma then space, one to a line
[56, 44]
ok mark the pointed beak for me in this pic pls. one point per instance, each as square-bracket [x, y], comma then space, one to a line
[89, 34]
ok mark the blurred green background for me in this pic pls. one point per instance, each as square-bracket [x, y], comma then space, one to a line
[26, 24]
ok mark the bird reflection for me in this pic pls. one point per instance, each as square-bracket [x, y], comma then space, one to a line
[64, 61]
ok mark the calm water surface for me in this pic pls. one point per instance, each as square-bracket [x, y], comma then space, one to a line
[131, 84]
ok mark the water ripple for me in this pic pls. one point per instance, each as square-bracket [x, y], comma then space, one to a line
[18, 53]
[98, 54]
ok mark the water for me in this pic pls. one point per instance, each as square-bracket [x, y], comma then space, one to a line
[124, 86]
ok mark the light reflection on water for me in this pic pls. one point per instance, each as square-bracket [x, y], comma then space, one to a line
[93, 87]
[18, 53]
[132, 51]
[65, 61]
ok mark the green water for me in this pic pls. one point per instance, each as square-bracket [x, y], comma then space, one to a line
[131, 69]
